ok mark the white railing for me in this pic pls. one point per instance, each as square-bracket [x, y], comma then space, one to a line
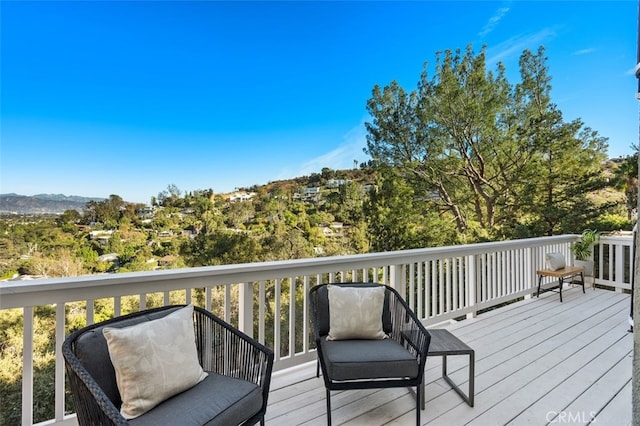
[269, 300]
[613, 262]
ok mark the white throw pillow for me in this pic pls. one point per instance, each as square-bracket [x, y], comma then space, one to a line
[355, 312]
[555, 261]
[154, 360]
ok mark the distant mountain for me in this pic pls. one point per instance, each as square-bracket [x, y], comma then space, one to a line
[42, 203]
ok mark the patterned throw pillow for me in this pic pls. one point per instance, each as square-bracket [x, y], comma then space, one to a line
[355, 312]
[154, 360]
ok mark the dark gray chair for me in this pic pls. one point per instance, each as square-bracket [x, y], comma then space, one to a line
[368, 364]
[235, 391]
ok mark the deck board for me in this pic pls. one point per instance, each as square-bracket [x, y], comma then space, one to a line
[535, 359]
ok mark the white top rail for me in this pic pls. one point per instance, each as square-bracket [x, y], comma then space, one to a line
[16, 294]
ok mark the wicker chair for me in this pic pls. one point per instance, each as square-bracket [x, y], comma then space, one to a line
[368, 364]
[239, 369]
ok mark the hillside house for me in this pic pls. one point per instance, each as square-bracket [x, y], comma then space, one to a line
[336, 183]
[241, 197]
[311, 194]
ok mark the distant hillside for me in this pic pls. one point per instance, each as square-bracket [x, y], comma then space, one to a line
[42, 203]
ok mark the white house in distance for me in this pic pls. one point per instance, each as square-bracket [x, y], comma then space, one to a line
[241, 197]
[336, 183]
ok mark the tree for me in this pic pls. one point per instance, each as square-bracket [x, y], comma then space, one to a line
[221, 248]
[567, 166]
[476, 146]
[395, 218]
[351, 198]
[238, 214]
[626, 180]
[107, 212]
[69, 216]
[171, 197]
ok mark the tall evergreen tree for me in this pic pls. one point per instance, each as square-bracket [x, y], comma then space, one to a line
[568, 157]
[494, 156]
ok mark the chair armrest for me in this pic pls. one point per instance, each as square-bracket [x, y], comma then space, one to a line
[225, 350]
[407, 328]
[91, 403]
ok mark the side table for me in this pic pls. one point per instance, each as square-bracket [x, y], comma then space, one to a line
[443, 343]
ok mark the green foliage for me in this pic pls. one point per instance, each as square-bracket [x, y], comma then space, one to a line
[613, 222]
[626, 180]
[70, 216]
[398, 220]
[583, 247]
[497, 158]
[220, 248]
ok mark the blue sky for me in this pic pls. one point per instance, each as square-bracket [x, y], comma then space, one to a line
[125, 98]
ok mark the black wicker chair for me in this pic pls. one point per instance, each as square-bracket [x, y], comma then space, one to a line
[235, 362]
[370, 364]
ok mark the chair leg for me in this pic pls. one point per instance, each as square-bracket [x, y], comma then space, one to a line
[561, 285]
[582, 279]
[328, 407]
[539, 282]
[418, 399]
[317, 368]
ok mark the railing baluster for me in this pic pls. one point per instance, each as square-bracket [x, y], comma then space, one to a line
[420, 289]
[261, 316]
[412, 285]
[245, 308]
[276, 321]
[227, 303]
[452, 283]
[619, 265]
[305, 315]
[449, 283]
[90, 312]
[472, 280]
[27, 366]
[117, 306]
[207, 298]
[292, 316]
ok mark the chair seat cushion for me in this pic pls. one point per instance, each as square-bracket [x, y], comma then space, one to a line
[217, 400]
[367, 359]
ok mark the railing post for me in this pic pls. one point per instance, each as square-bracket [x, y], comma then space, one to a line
[245, 310]
[471, 284]
[397, 281]
[531, 267]
[619, 273]
[59, 371]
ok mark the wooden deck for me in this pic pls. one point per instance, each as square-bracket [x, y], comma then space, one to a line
[538, 362]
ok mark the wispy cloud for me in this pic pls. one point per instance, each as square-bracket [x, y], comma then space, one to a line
[342, 157]
[631, 71]
[584, 51]
[516, 44]
[493, 21]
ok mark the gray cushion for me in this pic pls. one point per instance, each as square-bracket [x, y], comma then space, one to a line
[323, 308]
[217, 400]
[367, 359]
